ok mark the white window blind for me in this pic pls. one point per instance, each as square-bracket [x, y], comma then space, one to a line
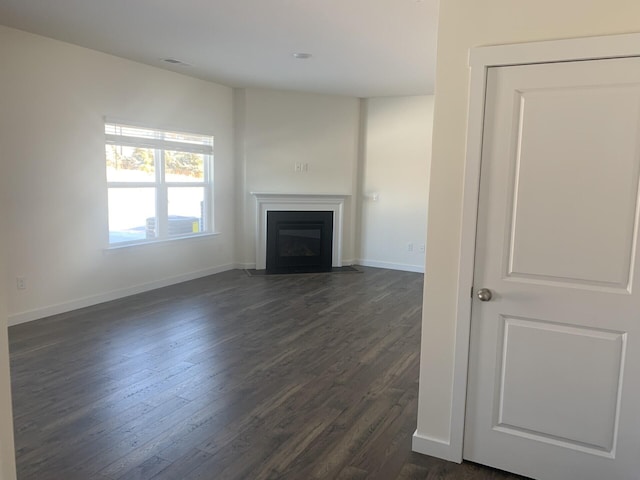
[128, 135]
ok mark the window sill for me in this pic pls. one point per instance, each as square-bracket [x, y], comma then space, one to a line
[164, 241]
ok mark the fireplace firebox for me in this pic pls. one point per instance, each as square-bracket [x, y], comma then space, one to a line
[299, 241]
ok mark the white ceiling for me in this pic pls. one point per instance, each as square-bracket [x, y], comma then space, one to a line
[360, 48]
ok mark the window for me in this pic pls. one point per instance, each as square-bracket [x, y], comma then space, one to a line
[159, 184]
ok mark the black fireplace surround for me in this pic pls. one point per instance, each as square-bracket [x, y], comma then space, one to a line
[299, 241]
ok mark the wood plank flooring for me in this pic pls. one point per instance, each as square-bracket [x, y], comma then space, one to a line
[229, 377]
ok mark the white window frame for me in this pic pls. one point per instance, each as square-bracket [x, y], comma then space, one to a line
[160, 141]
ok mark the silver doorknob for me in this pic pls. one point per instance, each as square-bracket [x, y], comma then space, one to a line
[484, 294]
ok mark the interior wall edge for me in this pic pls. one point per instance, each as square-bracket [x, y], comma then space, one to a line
[434, 447]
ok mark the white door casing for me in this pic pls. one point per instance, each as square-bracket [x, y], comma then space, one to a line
[554, 386]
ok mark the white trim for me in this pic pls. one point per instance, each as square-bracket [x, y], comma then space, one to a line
[480, 59]
[432, 446]
[38, 313]
[298, 201]
[573, 49]
[391, 266]
[477, 87]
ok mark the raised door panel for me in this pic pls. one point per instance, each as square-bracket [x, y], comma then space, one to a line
[576, 186]
[560, 384]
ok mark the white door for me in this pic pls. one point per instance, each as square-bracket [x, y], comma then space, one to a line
[554, 369]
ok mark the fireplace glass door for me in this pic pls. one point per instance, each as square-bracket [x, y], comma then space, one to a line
[299, 241]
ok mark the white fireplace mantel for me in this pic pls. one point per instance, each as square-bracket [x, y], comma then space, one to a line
[298, 201]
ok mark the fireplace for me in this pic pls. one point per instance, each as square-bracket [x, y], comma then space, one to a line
[299, 241]
[270, 202]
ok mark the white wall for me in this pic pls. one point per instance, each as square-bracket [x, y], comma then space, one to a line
[396, 169]
[464, 24]
[54, 96]
[7, 452]
[282, 128]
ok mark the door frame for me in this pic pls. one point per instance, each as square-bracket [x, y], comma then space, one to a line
[480, 60]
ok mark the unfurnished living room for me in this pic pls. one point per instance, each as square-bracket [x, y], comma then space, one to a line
[369, 239]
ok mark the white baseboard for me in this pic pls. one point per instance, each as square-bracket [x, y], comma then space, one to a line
[43, 312]
[434, 448]
[391, 266]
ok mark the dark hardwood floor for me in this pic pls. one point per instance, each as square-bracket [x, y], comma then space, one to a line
[229, 377]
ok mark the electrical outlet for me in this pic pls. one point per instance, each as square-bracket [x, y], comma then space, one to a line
[409, 247]
[21, 283]
[305, 167]
[422, 248]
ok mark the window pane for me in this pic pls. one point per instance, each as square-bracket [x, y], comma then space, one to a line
[132, 214]
[130, 164]
[186, 205]
[184, 166]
